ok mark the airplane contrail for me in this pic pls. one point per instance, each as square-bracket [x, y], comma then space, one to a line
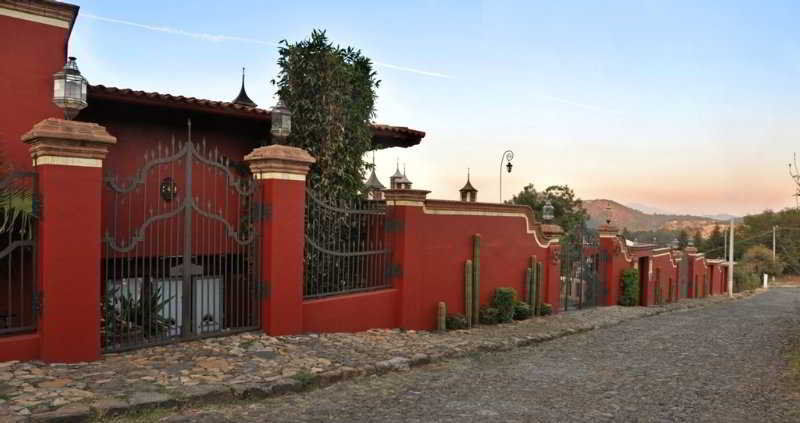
[221, 37]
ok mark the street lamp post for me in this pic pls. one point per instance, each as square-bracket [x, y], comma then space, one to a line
[507, 156]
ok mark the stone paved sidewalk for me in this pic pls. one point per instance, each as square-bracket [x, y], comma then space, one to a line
[255, 365]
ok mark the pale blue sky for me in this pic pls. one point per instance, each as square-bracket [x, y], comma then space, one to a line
[687, 106]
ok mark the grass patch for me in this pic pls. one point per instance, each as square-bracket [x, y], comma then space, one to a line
[304, 377]
[247, 343]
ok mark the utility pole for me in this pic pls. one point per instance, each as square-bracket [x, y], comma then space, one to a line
[730, 264]
[725, 244]
[773, 243]
[774, 258]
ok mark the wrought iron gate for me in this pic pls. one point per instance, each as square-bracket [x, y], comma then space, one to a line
[181, 249]
[345, 246]
[20, 300]
[583, 269]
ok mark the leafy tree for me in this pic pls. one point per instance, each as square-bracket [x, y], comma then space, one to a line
[757, 230]
[698, 239]
[331, 93]
[627, 234]
[758, 259]
[568, 211]
[683, 239]
[714, 246]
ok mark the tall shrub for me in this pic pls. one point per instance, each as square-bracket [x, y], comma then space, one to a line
[630, 288]
[331, 92]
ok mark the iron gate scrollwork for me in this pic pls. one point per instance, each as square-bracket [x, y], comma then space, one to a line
[583, 269]
[181, 250]
[345, 246]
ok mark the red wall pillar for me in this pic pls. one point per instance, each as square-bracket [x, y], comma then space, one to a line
[607, 240]
[405, 214]
[552, 278]
[280, 171]
[69, 157]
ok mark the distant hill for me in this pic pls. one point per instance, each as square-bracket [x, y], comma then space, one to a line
[636, 220]
[724, 217]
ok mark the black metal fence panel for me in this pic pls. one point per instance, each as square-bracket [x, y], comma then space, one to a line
[346, 249]
[181, 250]
[583, 270]
[20, 300]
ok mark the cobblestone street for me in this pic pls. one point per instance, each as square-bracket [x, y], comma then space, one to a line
[255, 365]
[722, 363]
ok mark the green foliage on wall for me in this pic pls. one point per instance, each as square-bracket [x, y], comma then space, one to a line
[488, 316]
[455, 321]
[331, 92]
[503, 300]
[630, 288]
[522, 311]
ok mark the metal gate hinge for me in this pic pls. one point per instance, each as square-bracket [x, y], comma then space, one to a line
[262, 211]
[38, 304]
[394, 271]
[394, 225]
[36, 205]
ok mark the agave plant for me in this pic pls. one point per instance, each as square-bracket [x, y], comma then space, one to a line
[128, 314]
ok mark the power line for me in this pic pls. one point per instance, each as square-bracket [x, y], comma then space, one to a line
[769, 232]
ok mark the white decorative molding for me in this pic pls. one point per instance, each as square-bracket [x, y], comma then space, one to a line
[30, 17]
[67, 161]
[405, 203]
[279, 175]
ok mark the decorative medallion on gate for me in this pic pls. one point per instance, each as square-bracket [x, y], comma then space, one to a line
[181, 256]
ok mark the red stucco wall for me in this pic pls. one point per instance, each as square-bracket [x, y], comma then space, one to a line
[447, 243]
[30, 54]
[351, 313]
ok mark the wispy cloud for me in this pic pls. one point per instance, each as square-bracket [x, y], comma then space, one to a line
[222, 37]
[581, 105]
[176, 31]
[412, 70]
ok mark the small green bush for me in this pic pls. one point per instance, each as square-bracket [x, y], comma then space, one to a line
[489, 316]
[630, 288]
[545, 309]
[503, 300]
[522, 311]
[744, 280]
[455, 321]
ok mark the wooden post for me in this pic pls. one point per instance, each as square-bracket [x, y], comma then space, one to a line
[468, 292]
[476, 278]
[441, 326]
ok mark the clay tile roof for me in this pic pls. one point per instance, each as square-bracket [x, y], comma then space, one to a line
[398, 130]
[384, 135]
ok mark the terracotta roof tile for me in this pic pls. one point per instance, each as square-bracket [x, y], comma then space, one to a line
[393, 136]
